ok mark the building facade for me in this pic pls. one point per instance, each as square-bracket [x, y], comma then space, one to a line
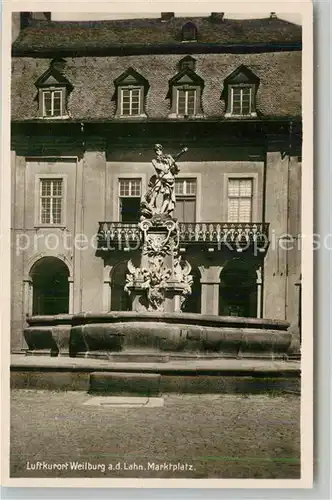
[89, 102]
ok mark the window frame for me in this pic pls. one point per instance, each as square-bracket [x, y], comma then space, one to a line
[53, 89]
[251, 198]
[115, 207]
[38, 207]
[185, 179]
[230, 101]
[186, 63]
[131, 87]
[186, 91]
[174, 106]
[186, 27]
[130, 179]
[130, 196]
[197, 177]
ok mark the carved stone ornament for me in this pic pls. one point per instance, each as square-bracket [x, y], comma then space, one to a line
[158, 243]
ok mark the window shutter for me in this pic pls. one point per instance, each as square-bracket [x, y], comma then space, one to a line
[189, 210]
[245, 210]
[239, 200]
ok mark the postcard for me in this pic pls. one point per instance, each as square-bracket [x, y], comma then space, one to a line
[157, 244]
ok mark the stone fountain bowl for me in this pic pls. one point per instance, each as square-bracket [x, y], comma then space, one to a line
[151, 336]
[48, 334]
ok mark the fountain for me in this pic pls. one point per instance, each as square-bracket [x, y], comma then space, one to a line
[158, 284]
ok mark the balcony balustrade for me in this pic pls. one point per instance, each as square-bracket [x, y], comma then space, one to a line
[237, 235]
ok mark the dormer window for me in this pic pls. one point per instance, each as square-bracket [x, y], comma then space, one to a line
[240, 93]
[131, 90]
[53, 90]
[187, 62]
[185, 90]
[189, 32]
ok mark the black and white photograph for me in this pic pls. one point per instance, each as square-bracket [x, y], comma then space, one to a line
[157, 324]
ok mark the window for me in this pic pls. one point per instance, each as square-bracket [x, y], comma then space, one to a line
[189, 32]
[185, 192]
[129, 199]
[185, 90]
[241, 100]
[240, 200]
[52, 102]
[186, 102]
[51, 201]
[187, 62]
[240, 89]
[53, 89]
[131, 89]
[130, 102]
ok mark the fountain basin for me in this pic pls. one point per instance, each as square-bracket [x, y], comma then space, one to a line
[48, 334]
[147, 336]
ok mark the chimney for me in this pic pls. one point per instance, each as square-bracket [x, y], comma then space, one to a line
[21, 20]
[41, 16]
[166, 16]
[273, 15]
[217, 16]
[16, 25]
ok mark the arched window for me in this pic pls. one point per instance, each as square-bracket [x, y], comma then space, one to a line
[189, 32]
[120, 300]
[50, 287]
[238, 290]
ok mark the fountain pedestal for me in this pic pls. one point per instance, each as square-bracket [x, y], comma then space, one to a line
[161, 282]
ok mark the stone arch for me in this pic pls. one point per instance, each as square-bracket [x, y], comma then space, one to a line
[40, 256]
[49, 278]
[120, 300]
[238, 289]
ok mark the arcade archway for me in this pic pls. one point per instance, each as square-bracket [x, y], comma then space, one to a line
[238, 289]
[50, 286]
[120, 300]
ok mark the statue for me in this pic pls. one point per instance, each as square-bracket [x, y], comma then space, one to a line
[160, 196]
[162, 280]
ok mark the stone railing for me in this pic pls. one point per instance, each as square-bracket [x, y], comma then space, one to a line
[239, 235]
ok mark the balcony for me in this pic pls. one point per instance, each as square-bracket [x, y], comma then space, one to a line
[238, 236]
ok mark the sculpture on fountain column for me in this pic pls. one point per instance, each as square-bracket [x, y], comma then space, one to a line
[161, 277]
[160, 196]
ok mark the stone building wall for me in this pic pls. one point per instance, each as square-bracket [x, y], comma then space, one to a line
[90, 197]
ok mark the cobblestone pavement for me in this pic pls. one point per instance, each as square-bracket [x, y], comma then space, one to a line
[191, 436]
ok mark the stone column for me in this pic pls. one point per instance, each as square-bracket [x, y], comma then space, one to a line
[107, 290]
[94, 166]
[28, 296]
[71, 295]
[259, 284]
[275, 265]
[210, 281]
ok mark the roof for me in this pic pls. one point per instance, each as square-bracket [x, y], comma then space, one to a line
[88, 36]
[93, 83]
